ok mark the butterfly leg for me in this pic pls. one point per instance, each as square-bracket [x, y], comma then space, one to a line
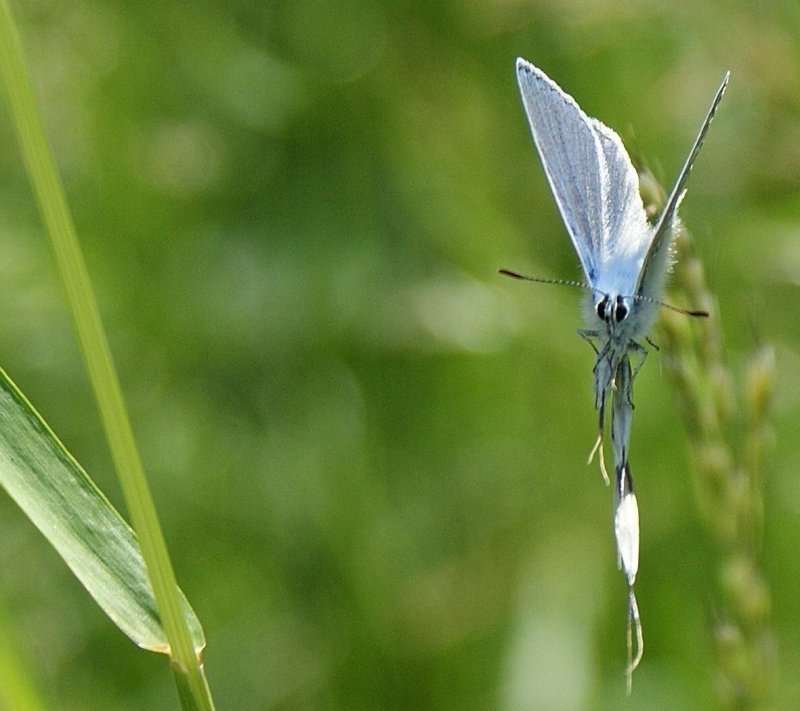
[641, 351]
[589, 336]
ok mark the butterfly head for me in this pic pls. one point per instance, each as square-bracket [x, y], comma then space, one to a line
[612, 309]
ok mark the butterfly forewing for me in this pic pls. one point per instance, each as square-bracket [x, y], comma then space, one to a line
[591, 176]
[629, 233]
[656, 254]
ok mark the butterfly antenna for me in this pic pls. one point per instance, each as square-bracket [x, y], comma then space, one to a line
[677, 309]
[543, 280]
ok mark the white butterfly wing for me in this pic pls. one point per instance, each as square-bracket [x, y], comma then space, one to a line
[652, 274]
[593, 181]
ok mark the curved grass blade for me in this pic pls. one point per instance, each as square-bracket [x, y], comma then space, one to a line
[96, 543]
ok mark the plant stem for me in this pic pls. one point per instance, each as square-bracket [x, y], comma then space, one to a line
[728, 426]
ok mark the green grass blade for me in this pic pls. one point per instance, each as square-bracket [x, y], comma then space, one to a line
[76, 518]
[86, 317]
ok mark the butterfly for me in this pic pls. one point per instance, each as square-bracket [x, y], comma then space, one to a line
[625, 260]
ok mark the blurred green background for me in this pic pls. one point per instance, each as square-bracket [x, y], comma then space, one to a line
[367, 448]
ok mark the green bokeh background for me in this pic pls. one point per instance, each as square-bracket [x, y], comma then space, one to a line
[368, 449]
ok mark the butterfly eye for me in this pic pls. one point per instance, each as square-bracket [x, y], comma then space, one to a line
[601, 308]
[621, 311]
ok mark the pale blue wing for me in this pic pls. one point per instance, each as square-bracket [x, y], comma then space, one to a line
[593, 181]
[655, 262]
